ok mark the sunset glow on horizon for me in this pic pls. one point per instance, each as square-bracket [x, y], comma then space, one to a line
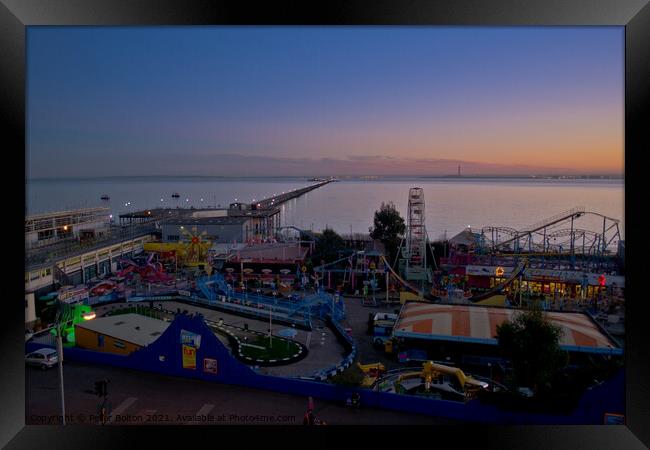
[315, 101]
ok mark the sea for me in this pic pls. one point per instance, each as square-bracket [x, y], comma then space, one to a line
[348, 206]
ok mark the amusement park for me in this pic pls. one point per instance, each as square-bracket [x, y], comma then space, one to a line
[393, 321]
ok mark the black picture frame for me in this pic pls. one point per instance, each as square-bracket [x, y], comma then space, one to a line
[634, 15]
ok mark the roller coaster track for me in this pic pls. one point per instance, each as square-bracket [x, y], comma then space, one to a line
[572, 213]
[406, 284]
[521, 268]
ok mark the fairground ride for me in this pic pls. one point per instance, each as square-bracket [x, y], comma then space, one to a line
[569, 236]
[193, 249]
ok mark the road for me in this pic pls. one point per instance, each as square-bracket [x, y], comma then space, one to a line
[140, 398]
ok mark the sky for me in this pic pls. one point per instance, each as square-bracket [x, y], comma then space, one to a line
[314, 101]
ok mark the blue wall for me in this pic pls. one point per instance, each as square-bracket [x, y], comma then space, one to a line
[607, 397]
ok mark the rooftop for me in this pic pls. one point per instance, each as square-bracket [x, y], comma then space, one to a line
[69, 213]
[478, 324]
[465, 237]
[206, 221]
[270, 253]
[133, 328]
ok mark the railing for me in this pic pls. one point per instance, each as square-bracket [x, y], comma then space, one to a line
[318, 304]
[215, 287]
[68, 249]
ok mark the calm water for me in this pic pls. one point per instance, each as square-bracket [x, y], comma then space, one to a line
[347, 206]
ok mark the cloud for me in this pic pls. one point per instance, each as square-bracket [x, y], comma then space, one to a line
[206, 163]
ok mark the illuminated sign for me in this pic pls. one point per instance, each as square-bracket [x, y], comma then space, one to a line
[189, 357]
[73, 295]
[190, 339]
[210, 365]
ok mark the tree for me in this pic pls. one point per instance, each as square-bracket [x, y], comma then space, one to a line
[389, 227]
[327, 247]
[531, 342]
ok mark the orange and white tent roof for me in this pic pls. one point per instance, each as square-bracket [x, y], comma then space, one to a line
[478, 324]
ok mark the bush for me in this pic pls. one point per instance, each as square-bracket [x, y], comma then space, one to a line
[352, 376]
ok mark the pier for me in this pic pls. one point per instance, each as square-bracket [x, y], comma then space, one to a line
[277, 200]
[268, 204]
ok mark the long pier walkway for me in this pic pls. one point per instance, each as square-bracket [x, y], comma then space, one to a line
[277, 200]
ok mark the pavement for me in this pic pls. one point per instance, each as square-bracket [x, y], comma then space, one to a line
[356, 317]
[141, 398]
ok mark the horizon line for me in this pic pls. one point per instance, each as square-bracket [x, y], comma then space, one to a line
[454, 176]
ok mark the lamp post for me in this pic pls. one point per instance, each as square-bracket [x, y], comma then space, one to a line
[270, 326]
[63, 316]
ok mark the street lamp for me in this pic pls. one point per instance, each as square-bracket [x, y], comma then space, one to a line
[63, 317]
[270, 326]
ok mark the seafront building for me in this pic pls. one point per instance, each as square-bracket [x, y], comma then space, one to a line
[55, 227]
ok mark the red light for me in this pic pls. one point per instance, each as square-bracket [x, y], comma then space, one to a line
[601, 280]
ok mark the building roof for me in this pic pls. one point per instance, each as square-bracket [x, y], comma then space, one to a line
[265, 212]
[134, 328]
[157, 213]
[206, 221]
[92, 212]
[278, 252]
[478, 324]
[465, 237]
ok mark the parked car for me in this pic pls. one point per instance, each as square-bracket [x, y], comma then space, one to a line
[43, 358]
